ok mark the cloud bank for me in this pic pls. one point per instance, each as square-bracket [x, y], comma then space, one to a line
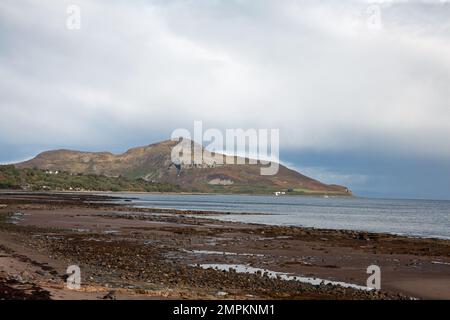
[320, 71]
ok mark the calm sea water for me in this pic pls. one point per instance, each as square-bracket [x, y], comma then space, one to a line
[422, 218]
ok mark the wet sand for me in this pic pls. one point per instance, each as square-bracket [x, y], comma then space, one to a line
[131, 253]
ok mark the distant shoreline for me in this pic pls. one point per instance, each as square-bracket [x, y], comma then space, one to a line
[319, 195]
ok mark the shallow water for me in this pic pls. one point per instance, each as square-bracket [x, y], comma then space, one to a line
[222, 253]
[422, 218]
[240, 268]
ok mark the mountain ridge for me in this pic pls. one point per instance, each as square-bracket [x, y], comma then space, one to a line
[154, 164]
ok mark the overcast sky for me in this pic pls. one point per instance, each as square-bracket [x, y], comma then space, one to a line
[360, 90]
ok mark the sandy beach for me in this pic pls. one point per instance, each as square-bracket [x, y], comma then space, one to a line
[133, 253]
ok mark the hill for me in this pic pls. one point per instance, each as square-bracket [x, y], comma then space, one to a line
[153, 164]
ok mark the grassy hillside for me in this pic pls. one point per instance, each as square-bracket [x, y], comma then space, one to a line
[35, 179]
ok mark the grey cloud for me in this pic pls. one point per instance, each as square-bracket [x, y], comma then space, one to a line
[312, 69]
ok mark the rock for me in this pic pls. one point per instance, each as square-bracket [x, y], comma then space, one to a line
[18, 278]
[26, 277]
[110, 295]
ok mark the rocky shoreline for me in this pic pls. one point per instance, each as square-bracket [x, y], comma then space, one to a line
[133, 253]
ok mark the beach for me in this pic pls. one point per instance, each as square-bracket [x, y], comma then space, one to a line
[126, 252]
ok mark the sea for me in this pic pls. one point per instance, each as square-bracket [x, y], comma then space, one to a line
[415, 218]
